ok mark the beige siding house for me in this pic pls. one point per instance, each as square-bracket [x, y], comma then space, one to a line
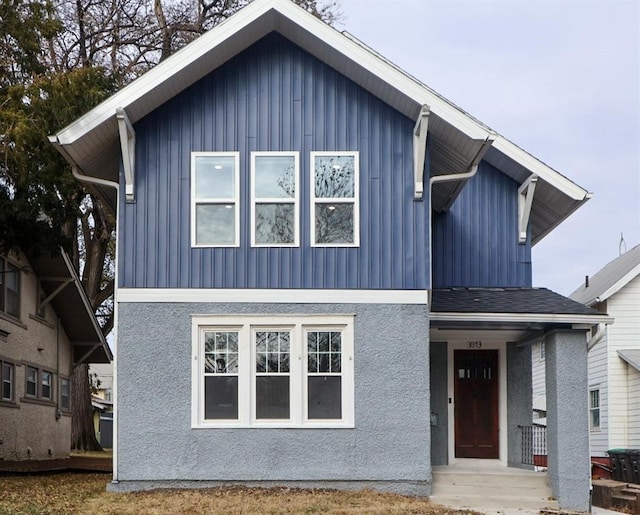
[46, 325]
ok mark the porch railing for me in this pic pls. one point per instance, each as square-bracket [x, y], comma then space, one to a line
[534, 445]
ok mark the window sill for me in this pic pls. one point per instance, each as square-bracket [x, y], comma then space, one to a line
[9, 404]
[12, 319]
[42, 321]
[271, 425]
[35, 400]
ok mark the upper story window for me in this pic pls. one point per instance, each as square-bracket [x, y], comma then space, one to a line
[215, 204]
[274, 199]
[273, 371]
[9, 288]
[334, 199]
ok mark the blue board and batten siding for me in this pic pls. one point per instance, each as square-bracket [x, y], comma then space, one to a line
[274, 97]
[476, 244]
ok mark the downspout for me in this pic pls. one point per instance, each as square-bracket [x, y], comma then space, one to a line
[595, 339]
[473, 169]
[57, 390]
[109, 184]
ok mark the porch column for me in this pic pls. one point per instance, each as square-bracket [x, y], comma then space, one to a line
[567, 418]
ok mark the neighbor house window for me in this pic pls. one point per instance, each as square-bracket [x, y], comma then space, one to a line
[45, 391]
[38, 384]
[334, 199]
[8, 379]
[274, 198]
[9, 288]
[273, 371]
[215, 205]
[65, 394]
[594, 409]
[32, 381]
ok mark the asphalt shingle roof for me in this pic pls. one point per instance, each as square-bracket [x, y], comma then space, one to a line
[505, 300]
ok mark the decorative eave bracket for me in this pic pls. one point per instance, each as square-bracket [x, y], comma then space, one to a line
[64, 281]
[127, 146]
[525, 202]
[420, 150]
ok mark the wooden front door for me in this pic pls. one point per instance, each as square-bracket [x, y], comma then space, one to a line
[476, 404]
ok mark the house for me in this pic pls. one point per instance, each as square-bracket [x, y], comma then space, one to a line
[46, 326]
[102, 401]
[317, 254]
[614, 359]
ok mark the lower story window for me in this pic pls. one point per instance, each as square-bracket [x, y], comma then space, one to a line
[32, 382]
[273, 371]
[65, 394]
[7, 374]
[594, 409]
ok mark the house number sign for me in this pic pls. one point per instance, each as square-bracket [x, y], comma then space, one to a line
[475, 345]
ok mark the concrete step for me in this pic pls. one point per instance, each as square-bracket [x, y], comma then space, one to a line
[499, 504]
[533, 479]
[537, 491]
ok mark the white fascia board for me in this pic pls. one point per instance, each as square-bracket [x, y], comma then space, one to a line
[164, 70]
[621, 283]
[289, 296]
[348, 46]
[546, 318]
[537, 167]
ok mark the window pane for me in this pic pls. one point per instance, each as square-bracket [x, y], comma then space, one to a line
[46, 385]
[215, 177]
[65, 394]
[272, 397]
[13, 290]
[221, 352]
[221, 397]
[275, 177]
[215, 224]
[7, 381]
[335, 176]
[334, 223]
[324, 397]
[32, 381]
[275, 223]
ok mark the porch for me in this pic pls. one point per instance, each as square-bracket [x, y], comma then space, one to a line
[490, 487]
[481, 398]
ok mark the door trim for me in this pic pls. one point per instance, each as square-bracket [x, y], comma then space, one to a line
[487, 344]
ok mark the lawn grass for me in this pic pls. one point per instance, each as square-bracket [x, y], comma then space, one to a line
[85, 494]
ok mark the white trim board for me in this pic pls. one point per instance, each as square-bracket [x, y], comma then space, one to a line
[289, 296]
[521, 318]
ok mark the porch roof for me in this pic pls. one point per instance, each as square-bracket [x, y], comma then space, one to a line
[631, 356]
[514, 306]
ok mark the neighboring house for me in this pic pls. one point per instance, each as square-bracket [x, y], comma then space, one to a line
[614, 360]
[102, 401]
[103, 381]
[46, 326]
[324, 270]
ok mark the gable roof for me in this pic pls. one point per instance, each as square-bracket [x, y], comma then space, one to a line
[610, 279]
[92, 145]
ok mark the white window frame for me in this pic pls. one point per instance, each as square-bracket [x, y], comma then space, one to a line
[215, 200]
[336, 200]
[593, 409]
[246, 326]
[295, 200]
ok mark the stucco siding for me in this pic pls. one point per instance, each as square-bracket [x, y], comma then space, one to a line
[390, 441]
[274, 97]
[29, 427]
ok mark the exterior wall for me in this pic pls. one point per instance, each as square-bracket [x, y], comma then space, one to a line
[518, 400]
[274, 97]
[599, 438]
[538, 388]
[30, 428]
[633, 383]
[476, 244]
[439, 408]
[388, 448]
[624, 333]
[567, 417]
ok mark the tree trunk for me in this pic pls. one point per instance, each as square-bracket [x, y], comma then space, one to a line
[83, 436]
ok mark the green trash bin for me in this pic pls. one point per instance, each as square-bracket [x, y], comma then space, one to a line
[623, 461]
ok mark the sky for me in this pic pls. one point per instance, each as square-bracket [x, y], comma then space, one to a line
[559, 78]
